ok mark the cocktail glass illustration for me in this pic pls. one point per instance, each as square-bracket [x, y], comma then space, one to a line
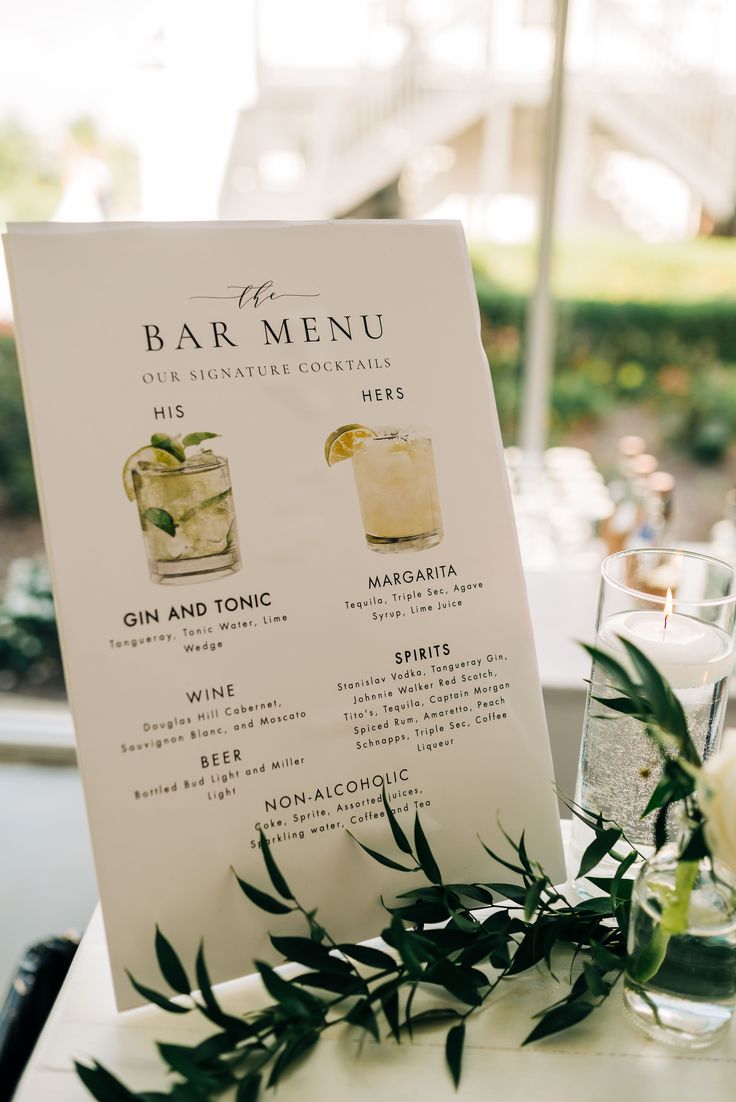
[397, 485]
[186, 513]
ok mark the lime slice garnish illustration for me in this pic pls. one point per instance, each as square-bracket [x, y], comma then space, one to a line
[148, 454]
[344, 442]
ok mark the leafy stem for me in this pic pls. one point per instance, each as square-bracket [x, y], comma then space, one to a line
[463, 940]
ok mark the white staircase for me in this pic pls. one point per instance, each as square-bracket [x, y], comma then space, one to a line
[657, 75]
[320, 147]
[656, 81]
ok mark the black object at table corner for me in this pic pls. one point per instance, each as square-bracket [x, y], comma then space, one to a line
[32, 994]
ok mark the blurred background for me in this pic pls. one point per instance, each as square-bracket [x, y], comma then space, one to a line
[589, 149]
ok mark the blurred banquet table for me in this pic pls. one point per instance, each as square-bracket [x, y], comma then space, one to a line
[603, 1058]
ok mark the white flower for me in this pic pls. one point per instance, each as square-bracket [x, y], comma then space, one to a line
[716, 792]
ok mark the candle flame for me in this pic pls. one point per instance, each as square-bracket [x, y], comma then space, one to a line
[668, 607]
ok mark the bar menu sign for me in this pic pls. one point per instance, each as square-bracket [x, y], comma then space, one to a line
[285, 567]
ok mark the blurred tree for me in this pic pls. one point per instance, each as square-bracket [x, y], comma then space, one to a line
[30, 177]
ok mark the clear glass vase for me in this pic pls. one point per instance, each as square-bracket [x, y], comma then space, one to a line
[680, 981]
[691, 642]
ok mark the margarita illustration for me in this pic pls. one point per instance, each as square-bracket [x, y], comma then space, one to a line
[185, 504]
[396, 483]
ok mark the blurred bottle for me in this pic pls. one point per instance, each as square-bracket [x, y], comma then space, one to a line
[660, 507]
[723, 532]
[629, 448]
[654, 532]
[620, 528]
[643, 469]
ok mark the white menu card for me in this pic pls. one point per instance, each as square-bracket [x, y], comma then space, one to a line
[285, 568]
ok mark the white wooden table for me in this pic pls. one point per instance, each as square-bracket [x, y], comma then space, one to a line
[603, 1058]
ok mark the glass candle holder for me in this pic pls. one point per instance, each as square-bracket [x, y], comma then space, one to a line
[689, 637]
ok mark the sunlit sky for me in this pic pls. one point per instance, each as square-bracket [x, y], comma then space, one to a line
[60, 57]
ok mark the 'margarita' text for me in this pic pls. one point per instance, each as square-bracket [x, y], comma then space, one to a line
[409, 577]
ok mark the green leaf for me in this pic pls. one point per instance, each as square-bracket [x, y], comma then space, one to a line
[361, 1014]
[203, 981]
[316, 931]
[454, 1051]
[617, 887]
[310, 953]
[389, 998]
[234, 1027]
[501, 861]
[372, 958]
[597, 850]
[414, 949]
[665, 705]
[332, 981]
[419, 913]
[532, 897]
[158, 1000]
[171, 967]
[203, 1074]
[296, 1048]
[459, 981]
[530, 952]
[620, 704]
[616, 672]
[605, 959]
[194, 438]
[273, 870]
[515, 892]
[425, 856]
[399, 837]
[430, 1017]
[168, 444]
[559, 1018]
[521, 850]
[219, 1044]
[160, 519]
[477, 893]
[664, 794]
[594, 980]
[382, 860]
[263, 900]
[102, 1084]
[597, 905]
[292, 999]
[461, 921]
[593, 822]
[249, 1088]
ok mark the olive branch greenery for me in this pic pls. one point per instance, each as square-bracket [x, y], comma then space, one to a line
[459, 940]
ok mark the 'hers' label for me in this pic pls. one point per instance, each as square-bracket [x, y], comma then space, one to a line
[383, 394]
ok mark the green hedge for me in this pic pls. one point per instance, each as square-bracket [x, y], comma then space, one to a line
[17, 484]
[677, 359]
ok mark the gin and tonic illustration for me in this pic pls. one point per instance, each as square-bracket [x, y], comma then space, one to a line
[185, 505]
[396, 482]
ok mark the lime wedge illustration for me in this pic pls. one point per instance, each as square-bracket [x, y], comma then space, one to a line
[148, 454]
[343, 442]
